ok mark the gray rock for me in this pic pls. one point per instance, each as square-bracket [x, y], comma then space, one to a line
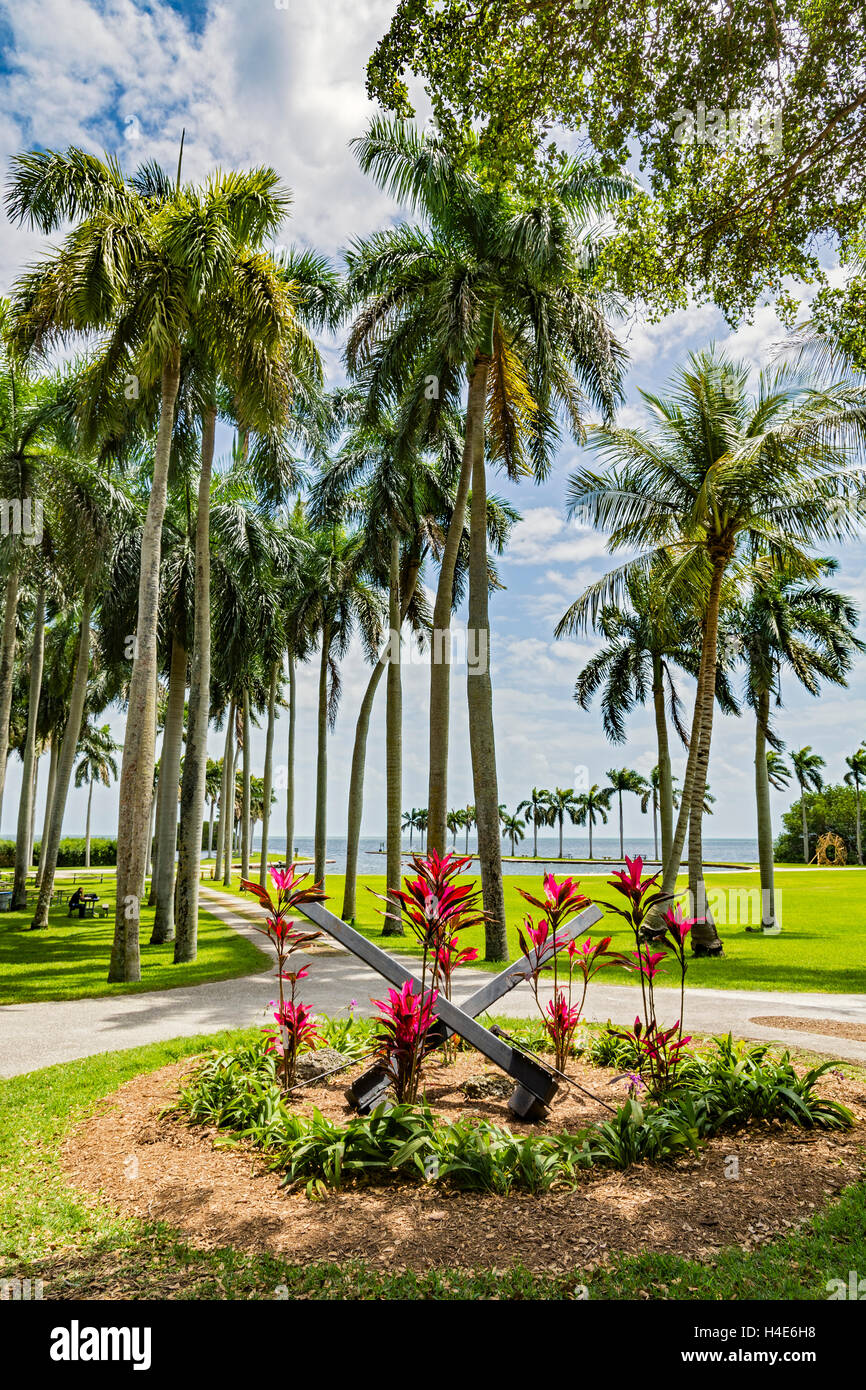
[487, 1087]
[312, 1065]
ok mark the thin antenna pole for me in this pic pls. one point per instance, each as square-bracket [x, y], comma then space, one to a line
[180, 157]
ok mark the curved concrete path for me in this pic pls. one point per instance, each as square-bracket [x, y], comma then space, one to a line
[38, 1035]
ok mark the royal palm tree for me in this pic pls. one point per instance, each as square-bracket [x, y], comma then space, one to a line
[150, 267]
[778, 773]
[454, 822]
[337, 598]
[495, 295]
[514, 828]
[98, 764]
[651, 795]
[722, 478]
[856, 774]
[31, 460]
[467, 820]
[536, 808]
[807, 770]
[591, 806]
[644, 639]
[625, 779]
[561, 802]
[95, 511]
[806, 628]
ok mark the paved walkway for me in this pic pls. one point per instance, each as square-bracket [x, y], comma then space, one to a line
[34, 1035]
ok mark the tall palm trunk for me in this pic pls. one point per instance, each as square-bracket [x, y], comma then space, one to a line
[210, 827]
[320, 850]
[666, 785]
[31, 830]
[478, 683]
[534, 835]
[359, 758]
[53, 759]
[356, 788]
[245, 797]
[561, 825]
[705, 938]
[28, 788]
[673, 859]
[621, 828]
[87, 824]
[290, 761]
[166, 807]
[393, 925]
[804, 822]
[192, 792]
[228, 844]
[136, 777]
[269, 772]
[7, 665]
[216, 870]
[589, 822]
[765, 822]
[440, 649]
[72, 732]
[655, 825]
[858, 818]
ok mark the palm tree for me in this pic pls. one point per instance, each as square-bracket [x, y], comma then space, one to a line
[856, 774]
[560, 801]
[454, 821]
[514, 828]
[723, 478]
[497, 295]
[651, 793]
[467, 820]
[157, 264]
[30, 460]
[807, 770]
[624, 779]
[778, 774]
[97, 748]
[809, 629]
[643, 641]
[95, 511]
[590, 806]
[537, 809]
[337, 598]
[213, 780]
[410, 820]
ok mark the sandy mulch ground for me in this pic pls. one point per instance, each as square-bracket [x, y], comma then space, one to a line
[834, 1028]
[161, 1169]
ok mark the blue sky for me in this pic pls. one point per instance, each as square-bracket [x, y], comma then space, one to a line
[283, 84]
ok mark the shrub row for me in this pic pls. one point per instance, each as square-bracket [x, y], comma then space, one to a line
[70, 853]
[720, 1089]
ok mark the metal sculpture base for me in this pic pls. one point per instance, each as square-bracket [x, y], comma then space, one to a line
[535, 1086]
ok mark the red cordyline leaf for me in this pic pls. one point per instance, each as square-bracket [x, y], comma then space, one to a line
[678, 924]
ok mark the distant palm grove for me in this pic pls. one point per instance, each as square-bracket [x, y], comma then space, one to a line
[142, 573]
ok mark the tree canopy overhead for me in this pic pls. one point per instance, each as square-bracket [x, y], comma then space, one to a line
[749, 117]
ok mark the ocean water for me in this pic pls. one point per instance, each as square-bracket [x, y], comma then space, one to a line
[371, 858]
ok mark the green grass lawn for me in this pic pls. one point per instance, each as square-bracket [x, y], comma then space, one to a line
[69, 959]
[80, 1248]
[822, 946]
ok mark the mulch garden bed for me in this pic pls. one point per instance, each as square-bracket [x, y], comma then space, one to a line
[158, 1168]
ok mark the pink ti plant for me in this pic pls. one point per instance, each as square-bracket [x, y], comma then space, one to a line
[292, 892]
[660, 1048]
[561, 1015]
[436, 908]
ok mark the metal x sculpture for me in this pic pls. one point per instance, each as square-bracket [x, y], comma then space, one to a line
[535, 1086]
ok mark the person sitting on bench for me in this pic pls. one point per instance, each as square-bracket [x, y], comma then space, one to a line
[74, 902]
